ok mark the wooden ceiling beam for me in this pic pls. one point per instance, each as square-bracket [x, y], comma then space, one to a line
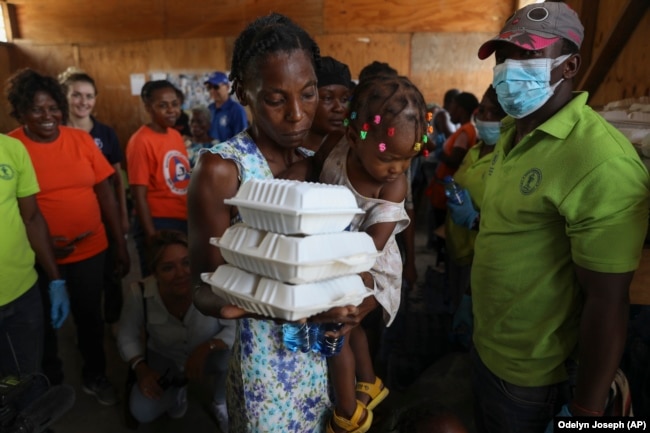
[588, 12]
[632, 13]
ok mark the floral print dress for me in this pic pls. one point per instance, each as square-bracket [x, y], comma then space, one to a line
[270, 389]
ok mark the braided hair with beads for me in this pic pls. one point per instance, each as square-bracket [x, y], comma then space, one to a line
[380, 101]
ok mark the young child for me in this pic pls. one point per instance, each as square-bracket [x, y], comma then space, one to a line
[386, 129]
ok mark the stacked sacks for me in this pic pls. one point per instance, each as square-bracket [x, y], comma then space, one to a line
[291, 258]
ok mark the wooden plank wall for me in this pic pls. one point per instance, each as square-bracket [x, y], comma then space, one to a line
[5, 71]
[449, 60]
[433, 42]
[430, 41]
[629, 75]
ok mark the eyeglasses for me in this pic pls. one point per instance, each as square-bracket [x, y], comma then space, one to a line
[212, 86]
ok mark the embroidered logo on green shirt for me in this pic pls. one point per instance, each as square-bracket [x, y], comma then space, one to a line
[530, 181]
[6, 172]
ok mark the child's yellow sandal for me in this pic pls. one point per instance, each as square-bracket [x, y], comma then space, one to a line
[352, 425]
[377, 392]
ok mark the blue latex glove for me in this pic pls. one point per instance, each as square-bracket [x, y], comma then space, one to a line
[565, 412]
[60, 303]
[463, 214]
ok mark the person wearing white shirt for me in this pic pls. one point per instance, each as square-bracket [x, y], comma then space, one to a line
[182, 343]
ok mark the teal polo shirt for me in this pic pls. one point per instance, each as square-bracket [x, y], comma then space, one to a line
[573, 191]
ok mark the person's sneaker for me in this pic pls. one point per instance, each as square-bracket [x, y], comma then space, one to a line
[179, 410]
[102, 390]
[220, 413]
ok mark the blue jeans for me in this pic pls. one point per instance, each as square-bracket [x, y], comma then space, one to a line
[21, 335]
[501, 407]
[146, 410]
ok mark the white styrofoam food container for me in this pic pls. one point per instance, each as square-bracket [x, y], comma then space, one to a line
[279, 300]
[295, 259]
[294, 207]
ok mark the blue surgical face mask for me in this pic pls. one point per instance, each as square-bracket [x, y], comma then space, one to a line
[488, 131]
[523, 86]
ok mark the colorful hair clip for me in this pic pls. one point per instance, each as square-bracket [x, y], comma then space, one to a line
[429, 116]
[346, 122]
[425, 139]
[363, 134]
[382, 147]
[417, 146]
[365, 127]
[430, 129]
[353, 115]
[391, 132]
[377, 119]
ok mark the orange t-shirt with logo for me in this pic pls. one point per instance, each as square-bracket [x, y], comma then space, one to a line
[159, 161]
[437, 189]
[67, 170]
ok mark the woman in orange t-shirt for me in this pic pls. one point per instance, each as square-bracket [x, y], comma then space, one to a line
[73, 176]
[158, 167]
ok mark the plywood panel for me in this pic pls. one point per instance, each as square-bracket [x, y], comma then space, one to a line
[188, 54]
[608, 14]
[112, 64]
[355, 16]
[82, 21]
[6, 123]
[205, 18]
[630, 74]
[441, 61]
[307, 13]
[48, 59]
[89, 21]
[222, 18]
[358, 50]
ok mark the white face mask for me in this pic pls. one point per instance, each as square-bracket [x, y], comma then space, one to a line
[523, 86]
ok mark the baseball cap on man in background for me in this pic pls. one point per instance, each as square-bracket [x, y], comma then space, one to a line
[216, 78]
[537, 26]
[228, 116]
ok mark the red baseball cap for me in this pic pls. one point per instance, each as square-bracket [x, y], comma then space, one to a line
[537, 26]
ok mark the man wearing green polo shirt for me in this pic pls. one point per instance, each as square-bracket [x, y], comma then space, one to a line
[24, 238]
[561, 229]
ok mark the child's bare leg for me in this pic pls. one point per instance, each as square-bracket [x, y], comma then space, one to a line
[342, 375]
[364, 369]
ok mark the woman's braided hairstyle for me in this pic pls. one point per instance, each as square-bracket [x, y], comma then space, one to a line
[390, 97]
[268, 34]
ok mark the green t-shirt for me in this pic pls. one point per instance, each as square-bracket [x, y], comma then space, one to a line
[17, 179]
[571, 192]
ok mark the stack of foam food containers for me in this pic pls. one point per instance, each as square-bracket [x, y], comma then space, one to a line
[291, 258]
